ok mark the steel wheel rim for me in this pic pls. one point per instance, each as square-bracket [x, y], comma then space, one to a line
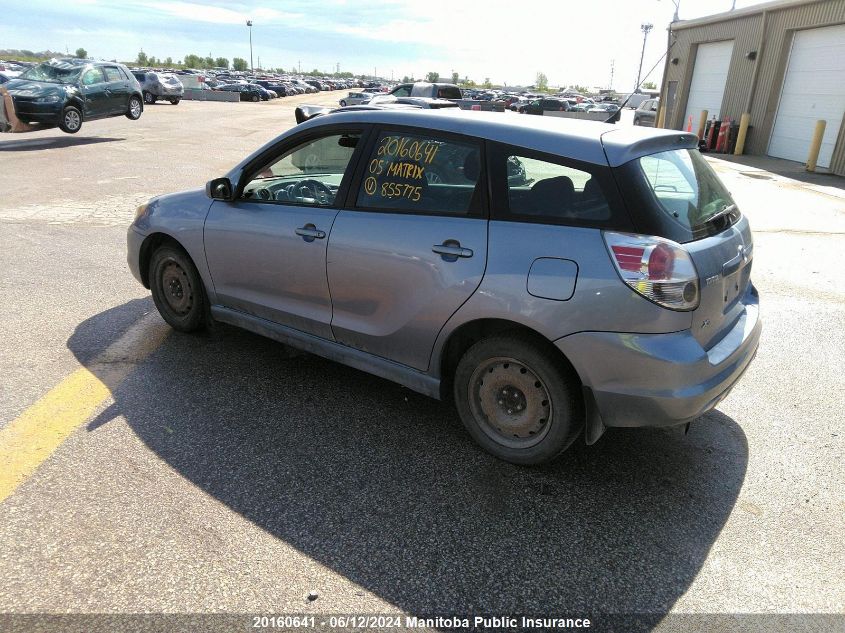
[176, 288]
[135, 108]
[510, 402]
[71, 119]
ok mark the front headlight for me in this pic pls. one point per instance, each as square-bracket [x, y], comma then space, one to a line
[48, 99]
[141, 211]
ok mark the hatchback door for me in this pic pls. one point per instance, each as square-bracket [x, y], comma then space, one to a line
[266, 251]
[683, 199]
[411, 251]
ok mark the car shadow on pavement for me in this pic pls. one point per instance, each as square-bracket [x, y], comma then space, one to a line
[384, 487]
[53, 142]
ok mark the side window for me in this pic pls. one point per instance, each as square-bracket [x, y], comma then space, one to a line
[404, 91]
[113, 74]
[545, 190]
[308, 174]
[92, 76]
[421, 173]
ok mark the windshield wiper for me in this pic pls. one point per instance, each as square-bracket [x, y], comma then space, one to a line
[727, 210]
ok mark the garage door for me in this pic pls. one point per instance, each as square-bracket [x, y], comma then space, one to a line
[709, 75]
[813, 89]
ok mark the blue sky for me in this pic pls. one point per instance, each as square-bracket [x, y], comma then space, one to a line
[571, 41]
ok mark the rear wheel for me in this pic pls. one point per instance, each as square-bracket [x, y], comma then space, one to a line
[636, 121]
[343, 103]
[71, 120]
[177, 289]
[149, 97]
[519, 402]
[135, 108]
[255, 98]
[175, 100]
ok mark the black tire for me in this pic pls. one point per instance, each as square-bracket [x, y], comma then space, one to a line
[343, 103]
[521, 376]
[175, 100]
[255, 98]
[177, 289]
[149, 98]
[71, 121]
[134, 109]
[636, 121]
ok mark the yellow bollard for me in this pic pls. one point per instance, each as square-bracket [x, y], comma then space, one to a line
[816, 145]
[701, 123]
[744, 120]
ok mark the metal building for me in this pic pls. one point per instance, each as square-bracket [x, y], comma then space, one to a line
[783, 62]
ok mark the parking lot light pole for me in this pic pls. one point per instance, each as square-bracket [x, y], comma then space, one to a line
[251, 67]
[645, 29]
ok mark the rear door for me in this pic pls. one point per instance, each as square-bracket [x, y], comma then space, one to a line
[411, 251]
[117, 90]
[97, 100]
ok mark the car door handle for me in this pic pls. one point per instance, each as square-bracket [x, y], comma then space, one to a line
[310, 233]
[451, 248]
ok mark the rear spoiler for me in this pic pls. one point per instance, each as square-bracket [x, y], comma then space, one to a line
[305, 113]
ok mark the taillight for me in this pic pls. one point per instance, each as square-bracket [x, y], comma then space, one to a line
[659, 269]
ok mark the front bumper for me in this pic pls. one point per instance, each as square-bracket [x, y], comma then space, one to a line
[661, 379]
[30, 111]
[134, 240]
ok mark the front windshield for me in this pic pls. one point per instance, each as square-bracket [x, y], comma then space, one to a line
[54, 72]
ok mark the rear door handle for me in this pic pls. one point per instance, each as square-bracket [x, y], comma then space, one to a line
[452, 248]
[309, 233]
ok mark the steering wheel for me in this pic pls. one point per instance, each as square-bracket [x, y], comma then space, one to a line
[310, 188]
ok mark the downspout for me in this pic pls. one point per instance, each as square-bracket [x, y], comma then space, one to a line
[757, 61]
[664, 88]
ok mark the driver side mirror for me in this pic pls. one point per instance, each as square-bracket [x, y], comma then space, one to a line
[219, 189]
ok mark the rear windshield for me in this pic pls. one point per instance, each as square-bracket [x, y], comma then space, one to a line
[677, 195]
[448, 92]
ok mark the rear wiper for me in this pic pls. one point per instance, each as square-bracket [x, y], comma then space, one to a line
[727, 210]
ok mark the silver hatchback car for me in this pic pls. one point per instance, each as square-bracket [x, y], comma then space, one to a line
[606, 286]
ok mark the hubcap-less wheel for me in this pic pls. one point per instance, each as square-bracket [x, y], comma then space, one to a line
[135, 108]
[177, 289]
[72, 120]
[510, 402]
[149, 98]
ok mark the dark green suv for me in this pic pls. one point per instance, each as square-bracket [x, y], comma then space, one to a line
[66, 92]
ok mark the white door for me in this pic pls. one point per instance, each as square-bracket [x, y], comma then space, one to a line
[708, 81]
[813, 89]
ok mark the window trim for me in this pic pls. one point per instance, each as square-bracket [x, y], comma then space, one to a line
[273, 153]
[482, 190]
[619, 219]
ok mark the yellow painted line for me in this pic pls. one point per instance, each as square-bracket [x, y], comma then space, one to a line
[33, 436]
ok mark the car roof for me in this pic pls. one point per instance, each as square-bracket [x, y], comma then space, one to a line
[587, 141]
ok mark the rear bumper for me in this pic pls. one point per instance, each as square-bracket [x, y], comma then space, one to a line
[166, 91]
[661, 379]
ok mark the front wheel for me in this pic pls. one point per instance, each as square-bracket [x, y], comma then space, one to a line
[343, 103]
[175, 100]
[518, 401]
[135, 108]
[71, 121]
[149, 98]
[177, 289]
[636, 121]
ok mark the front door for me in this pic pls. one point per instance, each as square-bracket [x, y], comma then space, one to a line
[414, 247]
[266, 251]
[94, 87]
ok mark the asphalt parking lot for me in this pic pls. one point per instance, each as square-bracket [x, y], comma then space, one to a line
[223, 474]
